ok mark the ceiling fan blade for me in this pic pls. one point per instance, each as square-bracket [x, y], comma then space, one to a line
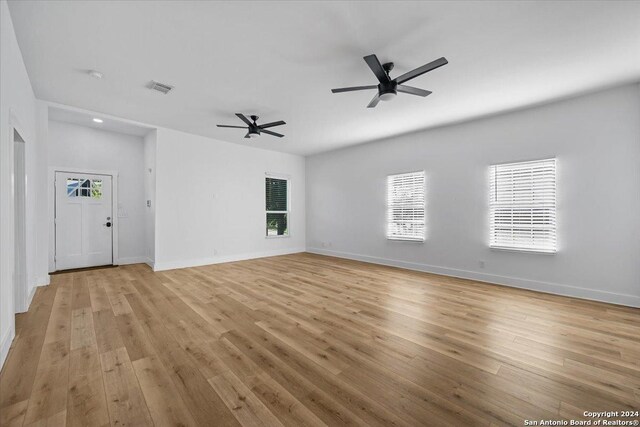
[413, 90]
[247, 135]
[229, 126]
[353, 88]
[374, 101]
[272, 124]
[243, 118]
[279, 135]
[376, 67]
[421, 70]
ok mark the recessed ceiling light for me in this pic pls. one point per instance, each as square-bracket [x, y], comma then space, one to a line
[95, 74]
[97, 120]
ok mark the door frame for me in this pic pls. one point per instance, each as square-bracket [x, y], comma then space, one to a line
[21, 297]
[19, 191]
[114, 208]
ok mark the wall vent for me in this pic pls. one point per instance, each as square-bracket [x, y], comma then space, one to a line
[160, 87]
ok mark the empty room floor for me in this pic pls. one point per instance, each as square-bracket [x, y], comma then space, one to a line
[311, 340]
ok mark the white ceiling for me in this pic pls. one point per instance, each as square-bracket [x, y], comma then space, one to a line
[279, 60]
[108, 123]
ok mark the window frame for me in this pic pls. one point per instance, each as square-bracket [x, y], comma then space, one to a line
[287, 178]
[91, 191]
[553, 209]
[389, 208]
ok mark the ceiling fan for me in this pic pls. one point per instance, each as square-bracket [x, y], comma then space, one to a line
[254, 130]
[388, 87]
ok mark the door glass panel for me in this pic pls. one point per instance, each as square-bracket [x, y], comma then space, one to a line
[96, 188]
[72, 187]
[78, 187]
[85, 187]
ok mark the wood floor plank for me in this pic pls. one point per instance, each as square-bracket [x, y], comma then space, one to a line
[98, 295]
[58, 419]
[125, 401]
[162, 397]
[106, 331]
[49, 396]
[19, 370]
[308, 340]
[320, 403]
[49, 393]
[205, 405]
[86, 403]
[80, 297]
[13, 415]
[119, 304]
[289, 410]
[133, 336]
[60, 321]
[207, 358]
[82, 330]
[245, 406]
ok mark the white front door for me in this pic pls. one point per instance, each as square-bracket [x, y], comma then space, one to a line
[83, 220]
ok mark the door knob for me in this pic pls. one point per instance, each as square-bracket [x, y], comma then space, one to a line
[108, 224]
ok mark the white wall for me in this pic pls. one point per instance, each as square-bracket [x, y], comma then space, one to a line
[211, 201]
[150, 195]
[596, 139]
[82, 147]
[17, 108]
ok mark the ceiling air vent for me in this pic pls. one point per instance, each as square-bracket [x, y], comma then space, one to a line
[160, 87]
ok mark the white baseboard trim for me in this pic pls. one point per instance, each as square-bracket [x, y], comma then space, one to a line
[43, 281]
[171, 265]
[30, 297]
[7, 339]
[151, 263]
[132, 260]
[5, 344]
[533, 285]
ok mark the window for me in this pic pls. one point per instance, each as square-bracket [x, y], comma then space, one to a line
[277, 201]
[406, 206]
[523, 206]
[79, 187]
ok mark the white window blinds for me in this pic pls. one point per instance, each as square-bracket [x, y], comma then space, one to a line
[277, 206]
[523, 206]
[406, 206]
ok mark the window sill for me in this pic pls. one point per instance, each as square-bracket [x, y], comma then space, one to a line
[526, 251]
[400, 239]
[278, 237]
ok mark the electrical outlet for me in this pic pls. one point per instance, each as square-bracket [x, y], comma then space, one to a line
[215, 252]
[481, 264]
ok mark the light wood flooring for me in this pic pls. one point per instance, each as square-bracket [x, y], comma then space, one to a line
[305, 339]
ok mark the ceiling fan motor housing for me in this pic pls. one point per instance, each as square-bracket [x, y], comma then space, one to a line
[254, 131]
[388, 90]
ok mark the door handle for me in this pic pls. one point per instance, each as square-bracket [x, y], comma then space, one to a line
[108, 224]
